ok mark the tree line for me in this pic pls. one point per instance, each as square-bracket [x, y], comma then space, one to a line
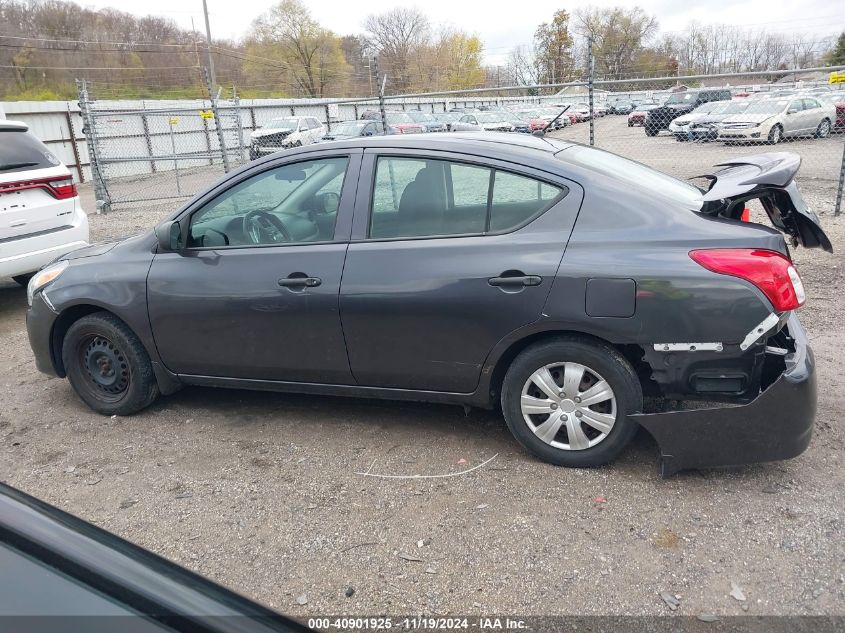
[46, 44]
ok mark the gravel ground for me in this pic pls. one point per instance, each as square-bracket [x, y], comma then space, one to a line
[259, 492]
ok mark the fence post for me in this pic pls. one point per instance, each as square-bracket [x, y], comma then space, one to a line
[100, 190]
[146, 127]
[217, 123]
[590, 71]
[381, 95]
[74, 145]
[328, 119]
[838, 208]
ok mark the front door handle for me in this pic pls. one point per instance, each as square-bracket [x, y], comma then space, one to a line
[522, 280]
[300, 282]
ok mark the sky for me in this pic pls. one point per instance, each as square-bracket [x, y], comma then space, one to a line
[501, 24]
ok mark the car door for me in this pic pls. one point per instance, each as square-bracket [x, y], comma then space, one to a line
[317, 130]
[244, 298]
[812, 116]
[792, 119]
[441, 267]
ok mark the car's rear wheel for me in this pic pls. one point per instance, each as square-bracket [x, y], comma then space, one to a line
[23, 280]
[823, 131]
[567, 401]
[107, 365]
[775, 135]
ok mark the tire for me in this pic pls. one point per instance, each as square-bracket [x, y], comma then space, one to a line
[650, 131]
[823, 131]
[107, 365]
[775, 135]
[630, 124]
[599, 362]
[23, 280]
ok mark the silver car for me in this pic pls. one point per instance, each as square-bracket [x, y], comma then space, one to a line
[771, 120]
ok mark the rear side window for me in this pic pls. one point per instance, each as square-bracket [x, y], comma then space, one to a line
[429, 198]
[21, 151]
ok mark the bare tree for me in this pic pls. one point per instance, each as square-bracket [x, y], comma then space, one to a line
[618, 35]
[398, 36]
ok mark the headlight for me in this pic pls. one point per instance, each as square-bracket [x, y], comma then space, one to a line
[44, 277]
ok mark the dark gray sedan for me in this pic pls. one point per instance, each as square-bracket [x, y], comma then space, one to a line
[564, 284]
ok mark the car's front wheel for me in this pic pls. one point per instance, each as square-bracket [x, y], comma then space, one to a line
[568, 401]
[107, 365]
[651, 131]
[775, 135]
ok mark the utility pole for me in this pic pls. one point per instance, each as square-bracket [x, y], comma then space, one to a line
[208, 49]
[381, 85]
[591, 66]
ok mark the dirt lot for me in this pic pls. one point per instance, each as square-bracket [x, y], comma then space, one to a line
[260, 492]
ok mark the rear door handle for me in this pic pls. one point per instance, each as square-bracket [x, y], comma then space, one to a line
[523, 280]
[300, 282]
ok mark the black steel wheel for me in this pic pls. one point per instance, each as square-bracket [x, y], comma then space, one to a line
[107, 365]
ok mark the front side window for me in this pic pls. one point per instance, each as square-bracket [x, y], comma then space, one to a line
[416, 197]
[294, 203]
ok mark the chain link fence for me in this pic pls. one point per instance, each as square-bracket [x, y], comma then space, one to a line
[161, 152]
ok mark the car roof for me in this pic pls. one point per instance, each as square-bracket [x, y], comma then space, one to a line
[5, 124]
[464, 142]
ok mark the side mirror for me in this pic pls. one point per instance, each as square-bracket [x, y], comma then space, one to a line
[169, 236]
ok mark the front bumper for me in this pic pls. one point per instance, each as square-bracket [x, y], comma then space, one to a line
[40, 319]
[777, 424]
[742, 134]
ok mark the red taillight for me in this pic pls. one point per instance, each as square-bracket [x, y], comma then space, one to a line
[770, 271]
[746, 215]
[61, 187]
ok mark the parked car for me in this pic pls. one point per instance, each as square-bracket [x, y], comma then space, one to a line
[488, 121]
[570, 301]
[429, 122]
[681, 103]
[706, 128]
[353, 129]
[40, 213]
[772, 120]
[447, 118]
[517, 123]
[284, 133]
[680, 125]
[583, 110]
[85, 574]
[640, 112]
[621, 106]
[402, 123]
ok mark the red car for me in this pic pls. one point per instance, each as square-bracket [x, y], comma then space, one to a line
[399, 122]
[838, 101]
[638, 115]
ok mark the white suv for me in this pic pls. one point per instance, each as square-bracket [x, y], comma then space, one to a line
[40, 214]
[284, 132]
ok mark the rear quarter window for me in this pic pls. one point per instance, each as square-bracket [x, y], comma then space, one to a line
[21, 151]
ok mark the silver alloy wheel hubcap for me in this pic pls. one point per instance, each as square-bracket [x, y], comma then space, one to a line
[568, 406]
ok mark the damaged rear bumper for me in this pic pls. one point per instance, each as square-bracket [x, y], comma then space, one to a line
[776, 425]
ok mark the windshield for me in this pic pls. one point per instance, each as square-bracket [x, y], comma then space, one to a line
[398, 117]
[282, 124]
[766, 107]
[710, 108]
[633, 173]
[447, 116]
[734, 107]
[681, 97]
[20, 151]
[349, 128]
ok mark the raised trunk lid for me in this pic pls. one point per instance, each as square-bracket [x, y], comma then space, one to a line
[769, 178]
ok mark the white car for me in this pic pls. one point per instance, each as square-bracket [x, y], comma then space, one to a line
[283, 133]
[40, 214]
[771, 120]
[680, 125]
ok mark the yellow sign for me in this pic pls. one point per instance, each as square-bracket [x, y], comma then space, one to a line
[174, 120]
[206, 114]
[836, 78]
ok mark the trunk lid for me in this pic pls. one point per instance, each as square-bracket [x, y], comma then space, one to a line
[769, 178]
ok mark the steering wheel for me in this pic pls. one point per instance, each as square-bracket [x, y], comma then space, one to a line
[260, 223]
